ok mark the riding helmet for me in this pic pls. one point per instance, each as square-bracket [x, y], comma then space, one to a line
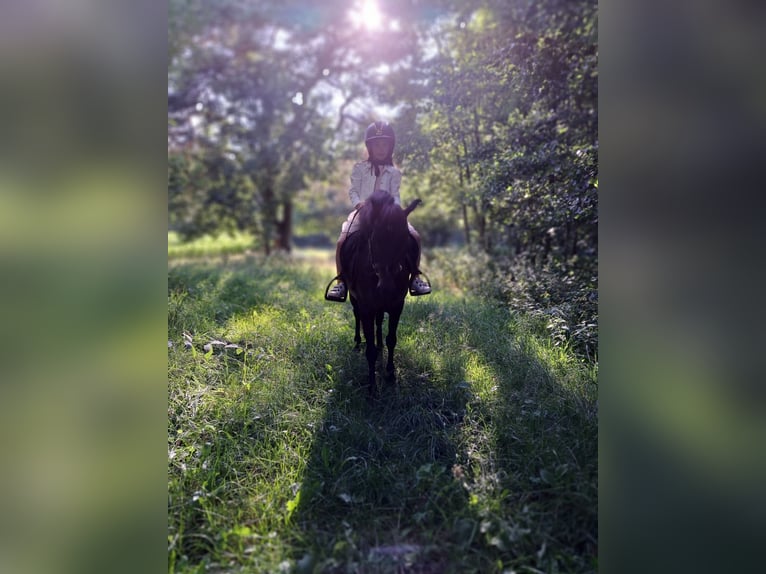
[379, 130]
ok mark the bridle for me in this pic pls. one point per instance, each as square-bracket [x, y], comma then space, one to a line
[376, 267]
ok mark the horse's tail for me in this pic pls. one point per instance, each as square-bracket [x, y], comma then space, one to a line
[411, 207]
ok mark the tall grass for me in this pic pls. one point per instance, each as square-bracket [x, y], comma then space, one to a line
[482, 458]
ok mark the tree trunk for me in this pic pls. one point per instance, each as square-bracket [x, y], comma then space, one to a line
[481, 225]
[269, 218]
[284, 227]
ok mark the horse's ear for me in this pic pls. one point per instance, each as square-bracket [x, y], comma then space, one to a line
[411, 207]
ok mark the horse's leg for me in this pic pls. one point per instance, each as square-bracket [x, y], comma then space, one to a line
[393, 323]
[379, 329]
[371, 351]
[357, 337]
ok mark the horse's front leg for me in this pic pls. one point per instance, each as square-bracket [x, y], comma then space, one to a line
[393, 323]
[379, 329]
[357, 337]
[371, 351]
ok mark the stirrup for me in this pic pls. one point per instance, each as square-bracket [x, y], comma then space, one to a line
[335, 297]
[428, 282]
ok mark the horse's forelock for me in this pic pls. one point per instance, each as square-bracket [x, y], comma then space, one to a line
[380, 207]
[385, 223]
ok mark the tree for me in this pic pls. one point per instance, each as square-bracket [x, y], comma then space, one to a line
[238, 94]
[511, 112]
[270, 86]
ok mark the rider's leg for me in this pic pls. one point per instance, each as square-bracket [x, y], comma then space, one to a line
[338, 245]
[419, 285]
[338, 291]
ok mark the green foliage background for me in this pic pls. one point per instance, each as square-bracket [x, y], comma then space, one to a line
[495, 109]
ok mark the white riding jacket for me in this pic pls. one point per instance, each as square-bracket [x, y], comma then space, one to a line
[363, 182]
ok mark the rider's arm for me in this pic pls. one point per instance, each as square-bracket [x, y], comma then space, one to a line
[354, 192]
[393, 186]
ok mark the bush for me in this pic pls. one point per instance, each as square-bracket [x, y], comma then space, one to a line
[562, 301]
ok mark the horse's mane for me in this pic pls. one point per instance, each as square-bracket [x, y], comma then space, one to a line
[382, 228]
[379, 206]
[378, 212]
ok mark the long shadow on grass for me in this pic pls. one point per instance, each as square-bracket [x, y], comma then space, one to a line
[546, 443]
[378, 493]
[482, 455]
[530, 456]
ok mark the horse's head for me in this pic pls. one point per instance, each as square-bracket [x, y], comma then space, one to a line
[389, 241]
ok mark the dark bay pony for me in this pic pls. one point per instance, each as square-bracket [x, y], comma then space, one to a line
[377, 260]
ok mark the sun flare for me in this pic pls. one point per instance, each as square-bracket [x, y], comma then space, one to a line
[366, 14]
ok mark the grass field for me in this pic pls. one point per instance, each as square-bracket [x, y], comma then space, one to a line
[482, 458]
